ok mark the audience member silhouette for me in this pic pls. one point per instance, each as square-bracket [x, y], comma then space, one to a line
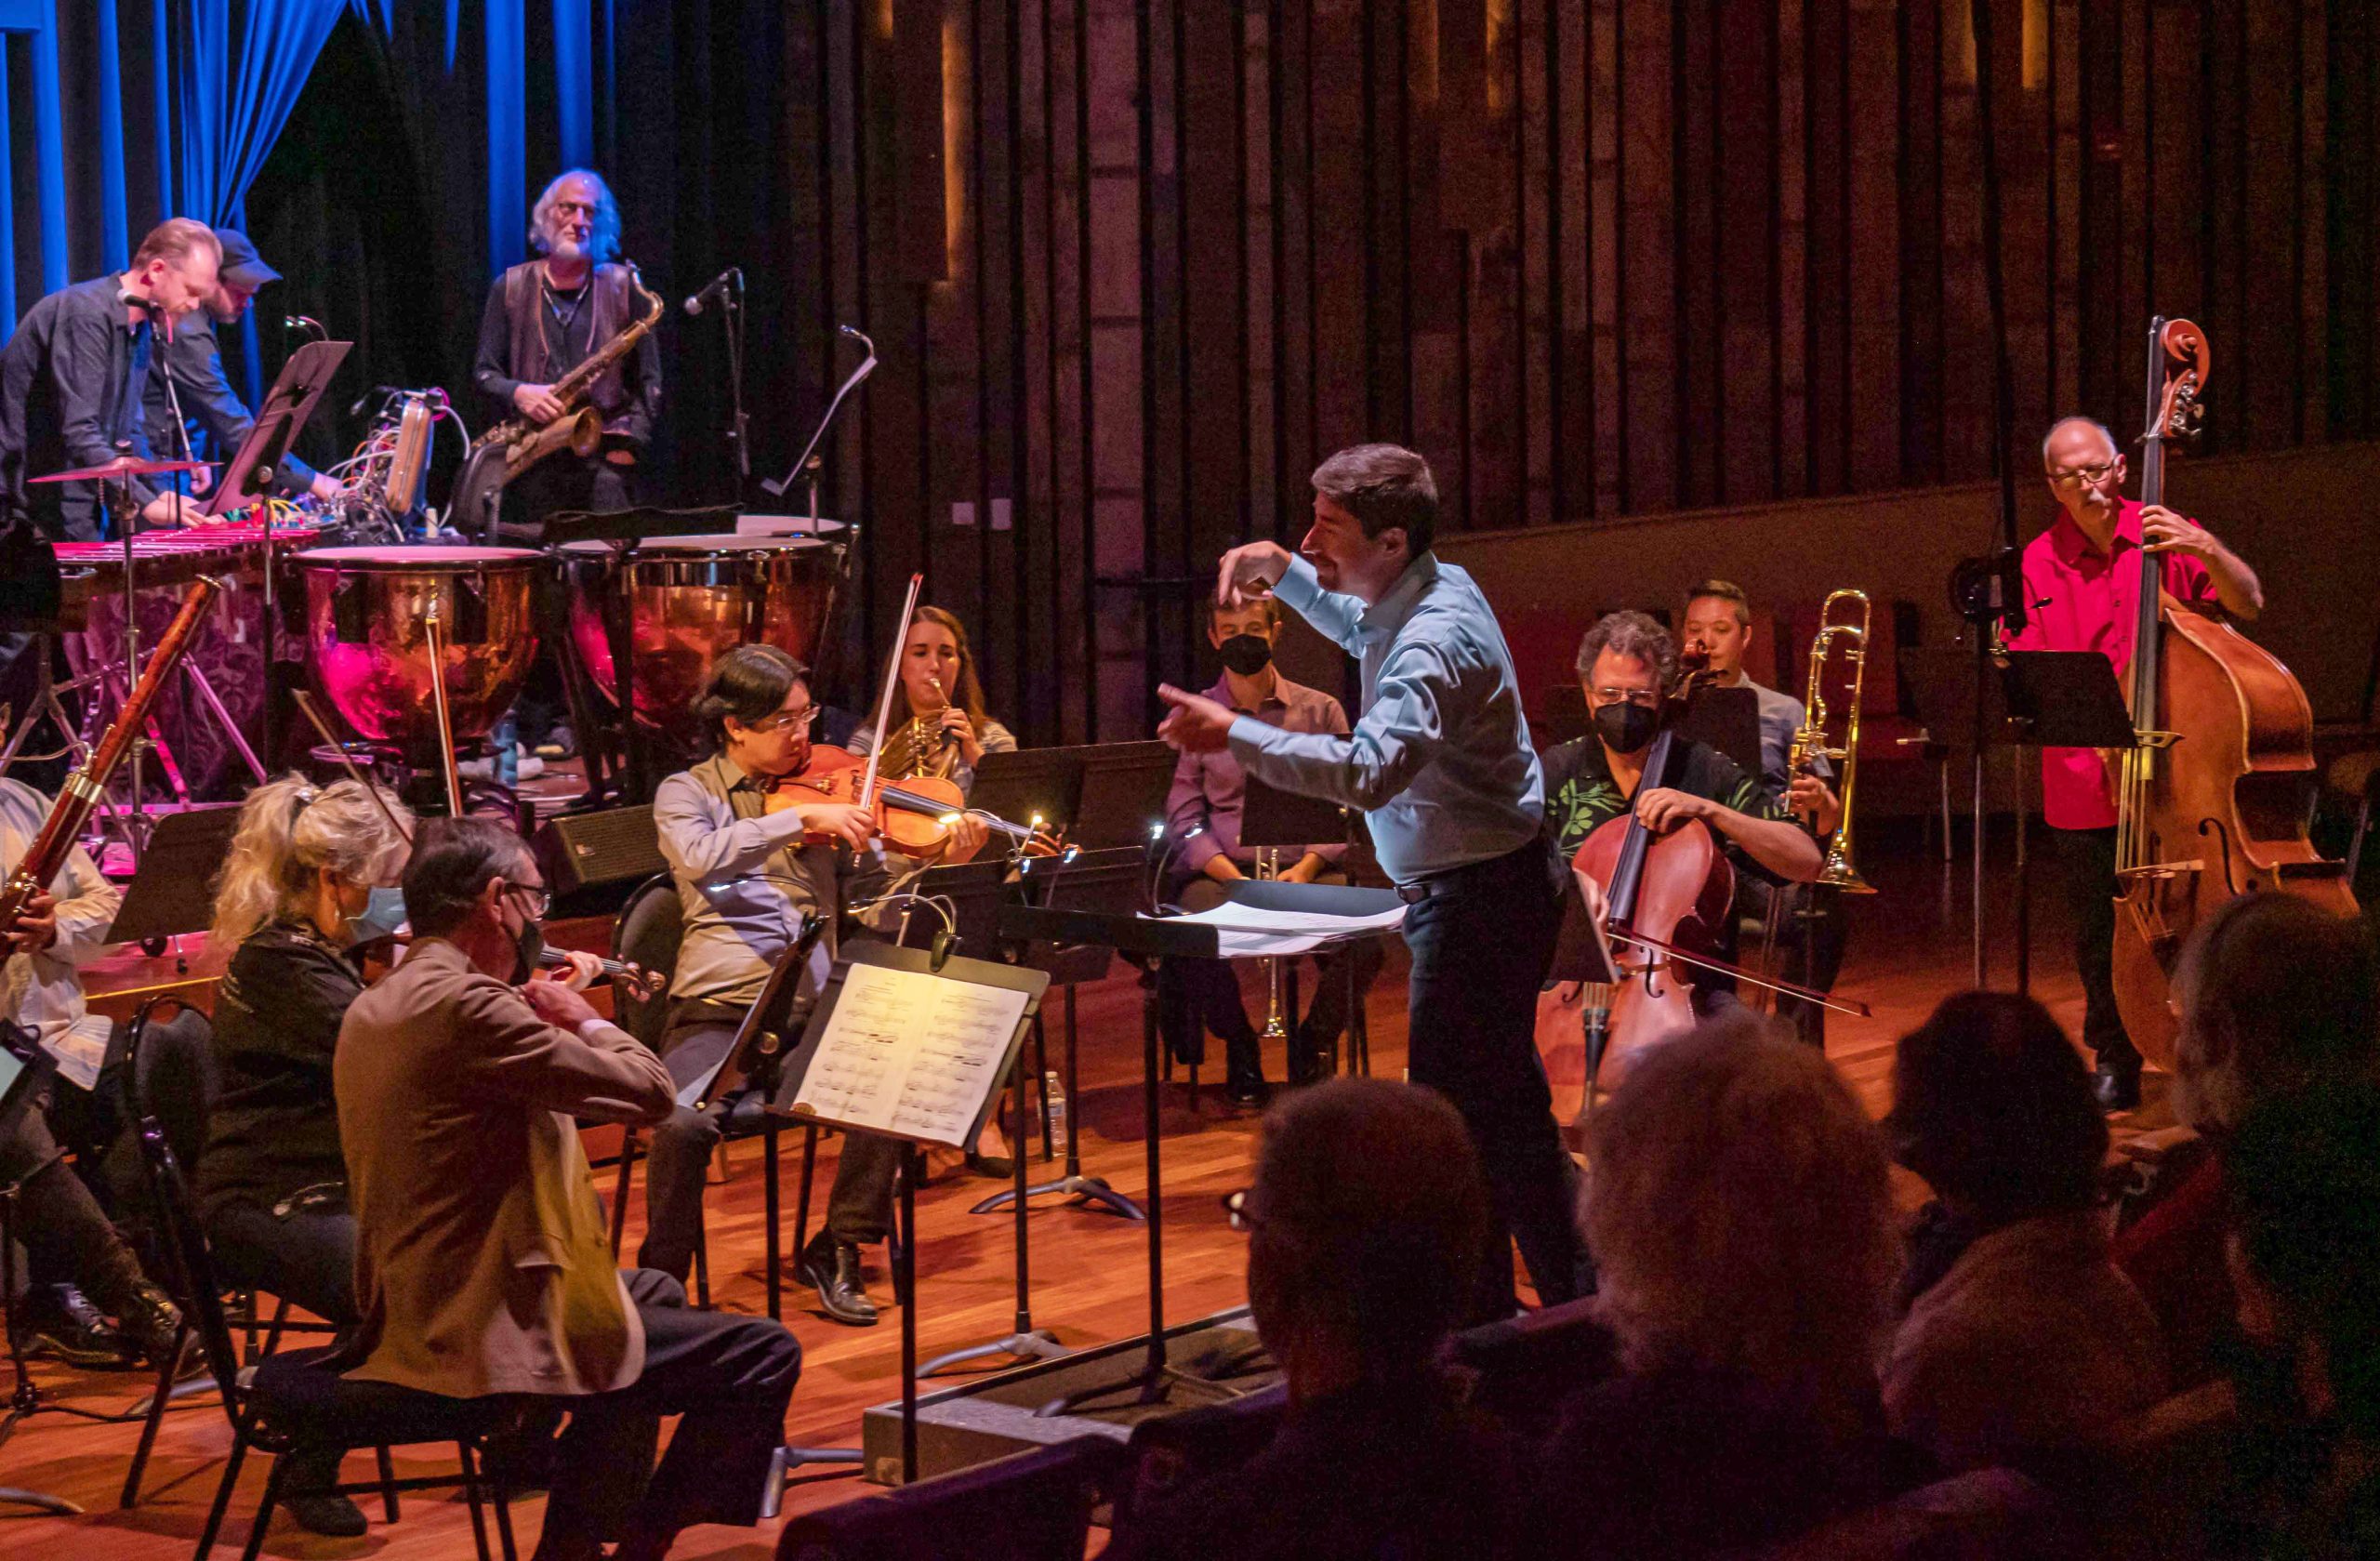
[1366, 1226]
[2020, 1337]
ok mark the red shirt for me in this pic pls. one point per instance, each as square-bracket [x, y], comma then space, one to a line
[2077, 598]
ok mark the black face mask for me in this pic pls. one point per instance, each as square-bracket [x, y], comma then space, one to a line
[528, 945]
[1247, 654]
[1625, 727]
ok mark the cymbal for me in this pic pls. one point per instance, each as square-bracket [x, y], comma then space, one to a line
[123, 467]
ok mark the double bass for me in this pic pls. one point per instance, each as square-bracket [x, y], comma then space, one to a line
[2211, 801]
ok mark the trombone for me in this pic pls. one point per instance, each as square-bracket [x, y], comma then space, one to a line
[1837, 637]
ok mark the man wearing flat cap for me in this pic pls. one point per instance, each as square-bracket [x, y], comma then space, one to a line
[217, 419]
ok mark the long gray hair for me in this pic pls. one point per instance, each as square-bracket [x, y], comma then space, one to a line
[604, 231]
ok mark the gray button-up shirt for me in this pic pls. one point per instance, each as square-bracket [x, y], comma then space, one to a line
[69, 390]
[743, 881]
[1440, 757]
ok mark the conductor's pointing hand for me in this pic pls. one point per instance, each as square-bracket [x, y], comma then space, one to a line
[1196, 724]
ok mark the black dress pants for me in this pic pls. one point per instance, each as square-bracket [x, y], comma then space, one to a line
[66, 1238]
[1482, 942]
[307, 1256]
[2086, 861]
[859, 1209]
[728, 1377]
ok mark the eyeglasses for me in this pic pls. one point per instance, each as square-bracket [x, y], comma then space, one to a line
[1643, 697]
[1236, 1212]
[2095, 474]
[539, 900]
[806, 717]
[584, 209]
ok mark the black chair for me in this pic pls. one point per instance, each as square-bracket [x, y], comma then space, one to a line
[1031, 1506]
[298, 1398]
[1524, 1368]
[1170, 1451]
[170, 1077]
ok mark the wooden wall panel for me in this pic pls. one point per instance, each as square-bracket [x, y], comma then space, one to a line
[1133, 266]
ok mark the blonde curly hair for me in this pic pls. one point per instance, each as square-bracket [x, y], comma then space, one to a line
[291, 828]
[1739, 1211]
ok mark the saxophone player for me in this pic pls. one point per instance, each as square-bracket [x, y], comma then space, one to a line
[544, 318]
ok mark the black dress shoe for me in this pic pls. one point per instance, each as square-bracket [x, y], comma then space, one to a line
[59, 1320]
[153, 1322]
[2116, 1086]
[831, 1267]
[327, 1512]
[1248, 1091]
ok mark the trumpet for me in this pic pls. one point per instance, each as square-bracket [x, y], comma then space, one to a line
[1268, 867]
[1837, 636]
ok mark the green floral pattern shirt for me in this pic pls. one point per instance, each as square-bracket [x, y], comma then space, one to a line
[1582, 794]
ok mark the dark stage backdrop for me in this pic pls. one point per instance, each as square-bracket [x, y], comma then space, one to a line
[1133, 267]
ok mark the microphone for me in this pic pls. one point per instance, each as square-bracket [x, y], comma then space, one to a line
[716, 288]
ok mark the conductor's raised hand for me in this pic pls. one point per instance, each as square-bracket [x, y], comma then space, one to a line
[1195, 724]
[1247, 567]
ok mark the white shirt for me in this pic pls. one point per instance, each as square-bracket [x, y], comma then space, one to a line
[44, 991]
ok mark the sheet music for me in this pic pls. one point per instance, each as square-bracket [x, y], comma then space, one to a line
[1247, 932]
[910, 1053]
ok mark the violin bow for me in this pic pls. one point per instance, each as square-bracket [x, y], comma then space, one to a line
[1852, 1006]
[884, 700]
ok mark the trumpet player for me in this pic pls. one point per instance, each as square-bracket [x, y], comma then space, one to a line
[547, 316]
[1203, 816]
[1809, 919]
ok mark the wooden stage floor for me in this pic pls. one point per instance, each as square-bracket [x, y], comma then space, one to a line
[1909, 948]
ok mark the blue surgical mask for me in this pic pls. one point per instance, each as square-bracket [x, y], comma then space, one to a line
[383, 913]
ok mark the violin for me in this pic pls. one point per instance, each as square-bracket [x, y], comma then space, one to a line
[2208, 802]
[912, 816]
[642, 984]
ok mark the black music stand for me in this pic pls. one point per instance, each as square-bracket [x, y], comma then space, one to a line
[1271, 817]
[1152, 939]
[1728, 719]
[2054, 699]
[25, 1070]
[1102, 883]
[1123, 794]
[757, 1054]
[625, 530]
[1029, 783]
[172, 892]
[958, 971]
[296, 391]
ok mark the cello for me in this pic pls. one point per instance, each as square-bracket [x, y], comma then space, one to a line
[2210, 801]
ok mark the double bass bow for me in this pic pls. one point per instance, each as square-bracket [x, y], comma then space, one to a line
[2210, 800]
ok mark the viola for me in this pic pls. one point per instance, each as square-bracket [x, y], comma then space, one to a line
[2209, 805]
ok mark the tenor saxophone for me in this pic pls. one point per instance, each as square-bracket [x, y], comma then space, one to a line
[516, 444]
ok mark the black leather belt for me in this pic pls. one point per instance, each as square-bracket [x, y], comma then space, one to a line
[1446, 882]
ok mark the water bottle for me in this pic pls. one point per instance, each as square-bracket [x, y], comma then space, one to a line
[1055, 1100]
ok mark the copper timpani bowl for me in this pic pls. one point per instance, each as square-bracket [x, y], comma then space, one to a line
[691, 600]
[367, 649]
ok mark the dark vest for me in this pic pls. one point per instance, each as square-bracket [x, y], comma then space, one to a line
[614, 302]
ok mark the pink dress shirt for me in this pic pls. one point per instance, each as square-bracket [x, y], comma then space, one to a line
[2077, 598]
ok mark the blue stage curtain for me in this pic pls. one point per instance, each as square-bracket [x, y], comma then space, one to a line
[236, 93]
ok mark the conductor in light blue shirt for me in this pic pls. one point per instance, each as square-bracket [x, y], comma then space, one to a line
[1440, 761]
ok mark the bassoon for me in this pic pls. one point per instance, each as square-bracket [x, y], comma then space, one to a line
[86, 788]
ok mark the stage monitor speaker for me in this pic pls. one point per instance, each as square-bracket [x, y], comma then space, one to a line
[591, 860]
